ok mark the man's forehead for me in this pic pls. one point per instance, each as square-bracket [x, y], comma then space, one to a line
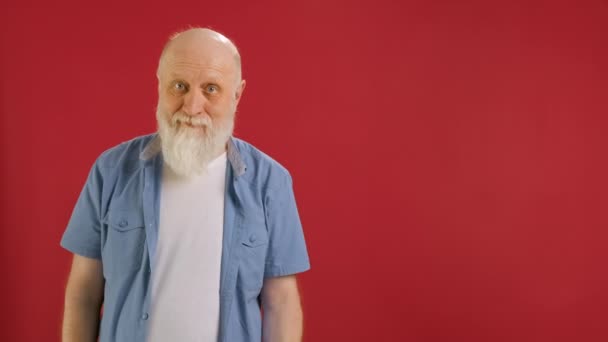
[196, 56]
[189, 63]
[185, 72]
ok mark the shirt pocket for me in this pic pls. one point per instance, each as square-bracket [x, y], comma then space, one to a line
[254, 246]
[125, 244]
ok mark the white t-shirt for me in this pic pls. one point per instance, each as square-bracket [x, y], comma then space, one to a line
[186, 275]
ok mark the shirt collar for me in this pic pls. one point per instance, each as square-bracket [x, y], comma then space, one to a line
[234, 157]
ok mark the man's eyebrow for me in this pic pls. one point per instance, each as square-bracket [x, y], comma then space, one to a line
[214, 80]
[211, 77]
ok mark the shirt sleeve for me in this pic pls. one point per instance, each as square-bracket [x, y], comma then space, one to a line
[287, 252]
[82, 235]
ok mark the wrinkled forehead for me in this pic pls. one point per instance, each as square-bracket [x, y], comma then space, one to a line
[189, 66]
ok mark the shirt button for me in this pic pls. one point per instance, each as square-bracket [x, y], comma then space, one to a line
[252, 238]
[123, 223]
[144, 316]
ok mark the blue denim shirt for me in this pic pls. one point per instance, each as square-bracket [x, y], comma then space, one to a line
[116, 220]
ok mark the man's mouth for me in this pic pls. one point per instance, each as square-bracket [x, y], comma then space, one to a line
[187, 125]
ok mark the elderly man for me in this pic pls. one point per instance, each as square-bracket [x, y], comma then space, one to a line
[186, 234]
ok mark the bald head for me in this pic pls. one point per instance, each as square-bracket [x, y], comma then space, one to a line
[201, 44]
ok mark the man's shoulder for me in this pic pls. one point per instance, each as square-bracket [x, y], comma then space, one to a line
[261, 168]
[126, 153]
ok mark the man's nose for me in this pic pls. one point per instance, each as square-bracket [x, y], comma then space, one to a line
[193, 103]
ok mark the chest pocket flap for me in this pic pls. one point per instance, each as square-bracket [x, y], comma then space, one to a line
[255, 238]
[124, 248]
[125, 220]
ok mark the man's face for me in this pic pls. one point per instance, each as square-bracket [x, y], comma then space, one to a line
[199, 89]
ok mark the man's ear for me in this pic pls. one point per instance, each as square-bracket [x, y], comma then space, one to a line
[239, 91]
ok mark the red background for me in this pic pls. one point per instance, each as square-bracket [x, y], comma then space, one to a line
[449, 157]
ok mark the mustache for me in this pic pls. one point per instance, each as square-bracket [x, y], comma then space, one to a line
[196, 121]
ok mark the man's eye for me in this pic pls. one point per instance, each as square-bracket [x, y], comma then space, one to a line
[179, 87]
[211, 88]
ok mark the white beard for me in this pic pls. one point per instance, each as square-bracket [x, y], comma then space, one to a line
[188, 150]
